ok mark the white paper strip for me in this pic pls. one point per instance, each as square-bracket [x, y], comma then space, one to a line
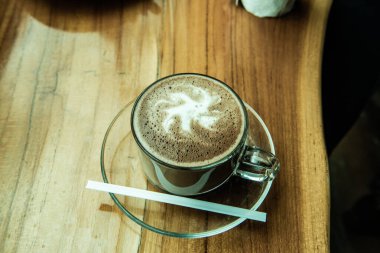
[177, 200]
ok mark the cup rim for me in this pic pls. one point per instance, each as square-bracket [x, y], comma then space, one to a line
[192, 168]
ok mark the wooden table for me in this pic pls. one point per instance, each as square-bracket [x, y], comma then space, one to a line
[66, 69]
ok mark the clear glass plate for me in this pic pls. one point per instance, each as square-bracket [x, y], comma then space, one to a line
[120, 165]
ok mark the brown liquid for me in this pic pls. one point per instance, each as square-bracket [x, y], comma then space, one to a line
[189, 120]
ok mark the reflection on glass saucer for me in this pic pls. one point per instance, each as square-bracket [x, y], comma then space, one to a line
[120, 165]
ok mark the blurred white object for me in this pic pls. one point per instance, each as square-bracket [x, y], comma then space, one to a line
[267, 8]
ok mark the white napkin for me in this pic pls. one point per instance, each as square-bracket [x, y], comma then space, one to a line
[267, 8]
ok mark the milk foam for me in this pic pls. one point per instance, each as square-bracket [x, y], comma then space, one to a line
[189, 120]
[189, 110]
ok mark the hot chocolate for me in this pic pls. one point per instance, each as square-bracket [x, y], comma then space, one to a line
[189, 120]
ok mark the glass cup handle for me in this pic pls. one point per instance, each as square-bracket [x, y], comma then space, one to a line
[257, 165]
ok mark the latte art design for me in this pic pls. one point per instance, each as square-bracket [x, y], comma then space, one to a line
[189, 120]
[188, 110]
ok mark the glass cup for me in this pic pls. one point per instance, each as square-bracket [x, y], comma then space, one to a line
[245, 161]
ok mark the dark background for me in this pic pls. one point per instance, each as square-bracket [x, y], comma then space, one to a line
[351, 114]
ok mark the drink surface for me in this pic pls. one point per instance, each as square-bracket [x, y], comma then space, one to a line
[189, 120]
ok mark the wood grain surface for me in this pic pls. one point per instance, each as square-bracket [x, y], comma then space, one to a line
[66, 69]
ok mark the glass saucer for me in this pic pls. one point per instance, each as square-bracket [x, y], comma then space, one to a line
[120, 165]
